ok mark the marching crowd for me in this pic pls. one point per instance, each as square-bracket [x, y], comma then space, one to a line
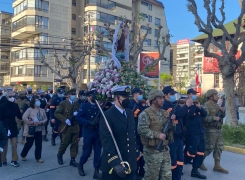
[123, 133]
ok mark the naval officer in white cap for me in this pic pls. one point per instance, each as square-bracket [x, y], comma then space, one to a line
[121, 121]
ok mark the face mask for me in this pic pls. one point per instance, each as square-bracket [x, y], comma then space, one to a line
[38, 103]
[73, 97]
[51, 92]
[194, 97]
[140, 97]
[172, 98]
[60, 95]
[84, 97]
[1, 93]
[42, 96]
[93, 99]
[29, 92]
[125, 103]
[11, 99]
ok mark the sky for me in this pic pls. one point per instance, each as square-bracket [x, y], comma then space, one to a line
[180, 21]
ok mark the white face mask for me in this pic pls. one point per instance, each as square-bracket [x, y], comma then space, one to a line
[11, 99]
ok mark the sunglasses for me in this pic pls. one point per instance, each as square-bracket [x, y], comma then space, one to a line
[11, 96]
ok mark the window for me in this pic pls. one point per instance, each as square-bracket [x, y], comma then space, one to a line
[149, 18]
[43, 38]
[74, 17]
[143, 27]
[73, 31]
[216, 80]
[156, 32]
[32, 4]
[144, 15]
[157, 21]
[144, 3]
[150, 31]
[74, 3]
[45, 6]
[150, 7]
[29, 70]
[149, 42]
[107, 4]
[155, 44]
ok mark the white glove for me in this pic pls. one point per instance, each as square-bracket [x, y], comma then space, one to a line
[35, 120]
[68, 122]
[75, 113]
[1, 149]
[9, 133]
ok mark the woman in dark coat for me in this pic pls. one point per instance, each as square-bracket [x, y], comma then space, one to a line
[3, 140]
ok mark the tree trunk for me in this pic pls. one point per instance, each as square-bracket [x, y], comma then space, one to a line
[229, 84]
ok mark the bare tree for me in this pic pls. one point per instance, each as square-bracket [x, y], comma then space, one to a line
[137, 38]
[227, 62]
[69, 66]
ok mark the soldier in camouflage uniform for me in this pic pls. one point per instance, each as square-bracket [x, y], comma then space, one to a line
[21, 101]
[213, 135]
[151, 122]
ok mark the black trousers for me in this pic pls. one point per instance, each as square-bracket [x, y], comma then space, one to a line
[38, 145]
[106, 176]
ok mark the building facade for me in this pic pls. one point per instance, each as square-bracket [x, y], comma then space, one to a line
[5, 41]
[54, 23]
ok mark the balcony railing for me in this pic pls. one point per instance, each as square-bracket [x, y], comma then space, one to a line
[111, 6]
[25, 25]
[29, 74]
[25, 59]
[31, 8]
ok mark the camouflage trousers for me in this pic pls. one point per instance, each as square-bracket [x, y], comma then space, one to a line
[157, 164]
[214, 143]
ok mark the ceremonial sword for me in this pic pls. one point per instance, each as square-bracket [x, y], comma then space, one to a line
[123, 163]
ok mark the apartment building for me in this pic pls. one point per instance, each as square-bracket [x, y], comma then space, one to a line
[173, 60]
[44, 21]
[57, 21]
[5, 39]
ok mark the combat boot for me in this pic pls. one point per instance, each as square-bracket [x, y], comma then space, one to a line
[80, 170]
[53, 141]
[73, 162]
[60, 159]
[218, 168]
[195, 173]
[97, 174]
[203, 167]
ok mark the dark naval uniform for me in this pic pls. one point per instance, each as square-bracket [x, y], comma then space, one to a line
[70, 134]
[176, 147]
[123, 128]
[54, 104]
[195, 143]
[86, 116]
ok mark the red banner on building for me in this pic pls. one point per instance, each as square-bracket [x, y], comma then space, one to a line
[183, 41]
[211, 65]
[145, 59]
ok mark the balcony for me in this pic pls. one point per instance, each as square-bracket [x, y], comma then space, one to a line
[26, 31]
[26, 59]
[110, 5]
[29, 74]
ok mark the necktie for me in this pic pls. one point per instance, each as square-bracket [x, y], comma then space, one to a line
[124, 113]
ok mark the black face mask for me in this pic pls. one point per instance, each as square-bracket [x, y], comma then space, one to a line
[42, 96]
[29, 92]
[51, 92]
[93, 99]
[125, 103]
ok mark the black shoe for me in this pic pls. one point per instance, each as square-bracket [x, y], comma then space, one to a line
[15, 163]
[60, 159]
[195, 173]
[80, 170]
[53, 142]
[97, 174]
[45, 138]
[73, 162]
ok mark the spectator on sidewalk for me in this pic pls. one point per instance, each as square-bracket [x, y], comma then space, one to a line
[8, 112]
[3, 140]
[34, 116]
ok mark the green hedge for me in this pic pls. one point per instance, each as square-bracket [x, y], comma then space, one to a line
[234, 135]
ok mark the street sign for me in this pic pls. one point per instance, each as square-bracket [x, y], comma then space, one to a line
[57, 80]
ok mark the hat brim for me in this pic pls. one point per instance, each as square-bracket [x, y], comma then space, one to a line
[173, 92]
[122, 93]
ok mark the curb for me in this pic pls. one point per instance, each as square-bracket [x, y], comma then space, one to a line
[234, 149]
